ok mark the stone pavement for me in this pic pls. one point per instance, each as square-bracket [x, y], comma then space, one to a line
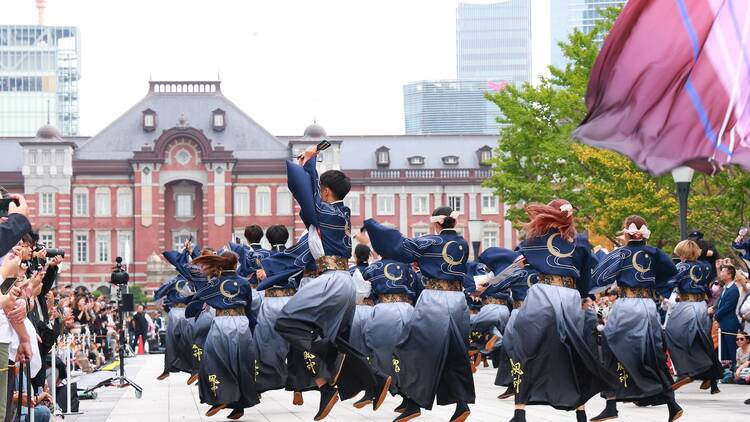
[172, 400]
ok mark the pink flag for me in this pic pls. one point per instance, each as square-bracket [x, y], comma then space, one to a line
[671, 85]
[497, 86]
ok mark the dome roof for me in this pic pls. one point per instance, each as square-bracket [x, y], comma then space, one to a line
[315, 131]
[48, 132]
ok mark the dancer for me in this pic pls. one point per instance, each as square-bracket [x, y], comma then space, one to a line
[632, 342]
[177, 293]
[317, 319]
[396, 289]
[490, 321]
[227, 377]
[362, 312]
[688, 326]
[552, 355]
[433, 358]
[277, 367]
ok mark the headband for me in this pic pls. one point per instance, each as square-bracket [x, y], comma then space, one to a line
[440, 219]
[567, 208]
[633, 231]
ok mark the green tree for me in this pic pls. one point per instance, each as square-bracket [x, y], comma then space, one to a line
[138, 296]
[537, 160]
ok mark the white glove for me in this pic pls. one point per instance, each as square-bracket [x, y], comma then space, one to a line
[481, 282]
[673, 299]
[364, 288]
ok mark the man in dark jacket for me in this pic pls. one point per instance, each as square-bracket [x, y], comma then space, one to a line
[140, 325]
[725, 313]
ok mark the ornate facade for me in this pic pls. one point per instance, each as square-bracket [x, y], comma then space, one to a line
[185, 161]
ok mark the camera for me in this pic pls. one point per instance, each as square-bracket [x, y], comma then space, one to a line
[119, 276]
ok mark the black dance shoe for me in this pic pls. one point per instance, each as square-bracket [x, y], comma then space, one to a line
[509, 392]
[609, 412]
[462, 412]
[329, 396]
[236, 414]
[681, 383]
[519, 416]
[164, 375]
[581, 416]
[401, 408]
[747, 401]
[382, 391]
[715, 388]
[215, 409]
[675, 412]
[412, 411]
[364, 401]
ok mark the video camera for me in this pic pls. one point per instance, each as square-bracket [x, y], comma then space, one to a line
[119, 276]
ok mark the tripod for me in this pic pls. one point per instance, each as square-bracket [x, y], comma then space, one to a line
[121, 380]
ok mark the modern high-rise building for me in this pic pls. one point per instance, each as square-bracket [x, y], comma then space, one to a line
[585, 13]
[40, 68]
[450, 106]
[493, 41]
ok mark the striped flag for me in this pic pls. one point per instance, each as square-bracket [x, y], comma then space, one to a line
[671, 86]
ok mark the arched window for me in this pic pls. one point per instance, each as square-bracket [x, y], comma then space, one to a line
[124, 202]
[262, 200]
[102, 202]
[283, 201]
[241, 201]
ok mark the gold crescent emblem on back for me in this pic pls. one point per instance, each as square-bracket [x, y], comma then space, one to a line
[556, 252]
[389, 276]
[637, 266]
[528, 279]
[224, 292]
[447, 258]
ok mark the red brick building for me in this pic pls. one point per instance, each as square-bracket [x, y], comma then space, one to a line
[186, 161]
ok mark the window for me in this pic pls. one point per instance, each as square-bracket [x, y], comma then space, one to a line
[218, 121]
[489, 238]
[47, 203]
[47, 238]
[450, 160]
[102, 246]
[149, 120]
[455, 202]
[81, 202]
[489, 204]
[420, 204]
[262, 200]
[383, 156]
[385, 204]
[241, 201]
[182, 157]
[125, 246]
[179, 239]
[81, 247]
[184, 205]
[283, 201]
[102, 202]
[124, 202]
[420, 231]
[352, 202]
[416, 160]
[485, 155]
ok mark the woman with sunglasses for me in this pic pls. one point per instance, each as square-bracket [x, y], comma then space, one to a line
[742, 371]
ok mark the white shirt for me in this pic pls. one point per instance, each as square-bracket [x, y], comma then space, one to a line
[6, 331]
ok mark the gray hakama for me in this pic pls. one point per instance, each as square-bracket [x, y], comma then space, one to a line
[227, 370]
[384, 331]
[178, 354]
[689, 341]
[633, 347]
[272, 348]
[198, 332]
[433, 357]
[552, 356]
[362, 315]
[491, 320]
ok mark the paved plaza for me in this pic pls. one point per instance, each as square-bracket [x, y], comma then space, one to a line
[172, 400]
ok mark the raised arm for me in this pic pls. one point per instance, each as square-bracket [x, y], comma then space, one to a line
[390, 244]
[300, 184]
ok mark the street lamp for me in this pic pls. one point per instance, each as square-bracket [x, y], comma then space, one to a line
[475, 233]
[682, 177]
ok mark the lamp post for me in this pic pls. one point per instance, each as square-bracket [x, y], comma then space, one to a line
[682, 177]
[475, 233]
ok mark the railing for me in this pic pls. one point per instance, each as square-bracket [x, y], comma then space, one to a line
[189, 87]
[424, 174]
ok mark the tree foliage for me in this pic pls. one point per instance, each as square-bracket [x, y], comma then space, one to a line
[536, 161]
